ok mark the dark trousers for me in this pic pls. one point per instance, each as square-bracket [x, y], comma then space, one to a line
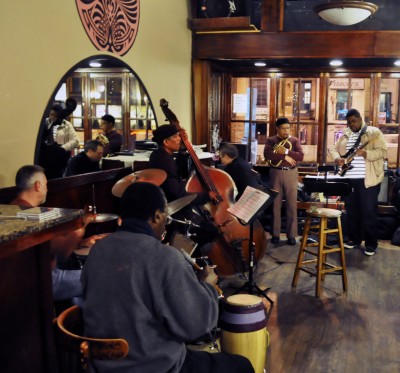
[204, 362]
[362, 213]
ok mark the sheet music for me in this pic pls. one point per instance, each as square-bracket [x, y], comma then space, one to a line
[249, 204]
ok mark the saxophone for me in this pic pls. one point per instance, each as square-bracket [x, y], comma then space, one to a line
[276, 146]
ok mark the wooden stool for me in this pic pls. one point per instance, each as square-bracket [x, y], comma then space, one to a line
[322, 230]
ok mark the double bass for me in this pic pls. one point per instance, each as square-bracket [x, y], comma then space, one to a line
[230, 251]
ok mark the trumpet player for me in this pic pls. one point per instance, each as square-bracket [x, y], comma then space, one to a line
[283, 151]
[110, 138]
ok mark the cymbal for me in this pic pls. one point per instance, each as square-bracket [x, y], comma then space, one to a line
[100, 218]
[151, 175]
[180, 203]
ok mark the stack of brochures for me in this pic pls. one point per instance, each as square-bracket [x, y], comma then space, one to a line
[40, 213]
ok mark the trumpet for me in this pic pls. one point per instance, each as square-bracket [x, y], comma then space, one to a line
[276, 147]
[102, 138]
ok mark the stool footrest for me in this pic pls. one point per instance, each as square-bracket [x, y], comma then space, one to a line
[336, 269]
[310, 261]
[328, 231]
[330, 249]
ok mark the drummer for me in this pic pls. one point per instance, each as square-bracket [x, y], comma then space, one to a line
[31, 184]
[149, 295]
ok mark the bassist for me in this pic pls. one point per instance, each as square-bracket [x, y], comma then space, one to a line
[364, 177]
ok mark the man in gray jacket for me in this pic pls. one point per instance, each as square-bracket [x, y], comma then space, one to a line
[138, 289]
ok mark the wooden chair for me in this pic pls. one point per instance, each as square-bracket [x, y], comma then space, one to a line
[76, 351]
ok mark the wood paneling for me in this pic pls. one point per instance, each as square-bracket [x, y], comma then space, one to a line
[201, 89]
[272, 15]
[298, 45]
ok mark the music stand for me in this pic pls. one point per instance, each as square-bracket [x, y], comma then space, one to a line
[256, 210]
[339, 187]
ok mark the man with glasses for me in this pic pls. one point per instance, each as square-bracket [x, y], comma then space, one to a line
[138, 289]
[86, 161]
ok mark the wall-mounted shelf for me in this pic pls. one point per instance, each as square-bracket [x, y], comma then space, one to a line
[221, 25]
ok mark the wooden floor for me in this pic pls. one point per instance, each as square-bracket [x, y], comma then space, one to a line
[357, 331]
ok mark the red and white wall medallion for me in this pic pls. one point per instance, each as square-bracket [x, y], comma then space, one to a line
[111, 25]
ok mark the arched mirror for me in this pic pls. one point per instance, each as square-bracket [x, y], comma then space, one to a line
[94, 87]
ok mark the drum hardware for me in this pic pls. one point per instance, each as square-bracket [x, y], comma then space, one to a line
[103, 217]
[184, 222]
[99, 218]
[151, 175]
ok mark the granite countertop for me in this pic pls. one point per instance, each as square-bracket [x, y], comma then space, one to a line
[13, 228]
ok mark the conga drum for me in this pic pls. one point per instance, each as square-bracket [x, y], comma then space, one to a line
[243, 329]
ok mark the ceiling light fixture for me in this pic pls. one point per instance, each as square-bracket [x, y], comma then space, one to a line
[260, 64]
[336, 63]
[345, 12]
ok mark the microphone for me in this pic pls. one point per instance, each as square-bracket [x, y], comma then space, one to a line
[184, 222]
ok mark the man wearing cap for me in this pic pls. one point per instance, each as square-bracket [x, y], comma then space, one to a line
[138, 289]
[113, 141]
[283, 152]
[168, 140]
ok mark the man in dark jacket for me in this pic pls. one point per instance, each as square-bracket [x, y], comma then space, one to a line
[86, 161]
[238, 169]
[138, 289]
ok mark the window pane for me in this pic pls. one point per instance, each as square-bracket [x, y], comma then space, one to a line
[388, 117]
[343, 95]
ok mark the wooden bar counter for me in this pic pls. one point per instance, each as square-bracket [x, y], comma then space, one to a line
[26, 311]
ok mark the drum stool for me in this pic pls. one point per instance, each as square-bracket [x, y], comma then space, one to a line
[321, 230]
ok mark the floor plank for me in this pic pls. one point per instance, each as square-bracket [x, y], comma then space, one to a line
[356, 331]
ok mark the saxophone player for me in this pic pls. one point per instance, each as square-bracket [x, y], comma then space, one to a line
[282, 152]
[111, 138]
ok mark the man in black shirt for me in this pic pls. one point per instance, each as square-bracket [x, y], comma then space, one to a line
[114, 138]
[238, 169]
[86, 161]
[168, 139]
